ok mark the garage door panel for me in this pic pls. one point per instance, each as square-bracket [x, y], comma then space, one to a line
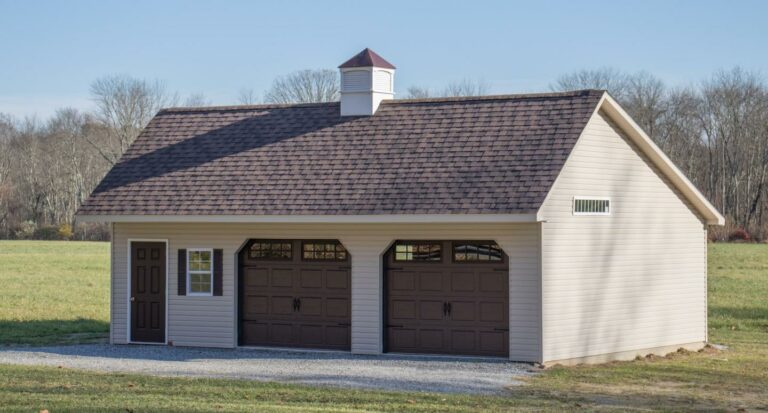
[463, 341]
[311, 334]
[337, 308]
[431, 310]
[311, 307]
[254, 331]
[255, 278]
[463, 311]
[432, 339]
[494, 282]
[402, 281]
[280, 333]
[463, 282]
[431, 281]
[402, 310]
[493, 312]
[337, 279]
[402, 338]
[337, 336]
[281, 305]
[311, 278]
[256, 306]
[493, 341]
[282, 277]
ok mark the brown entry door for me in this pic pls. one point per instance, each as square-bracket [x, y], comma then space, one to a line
[294, 296]
[447, 297]
[148, 292]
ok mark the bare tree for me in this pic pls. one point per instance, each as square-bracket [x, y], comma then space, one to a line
[305, 86]
[247, 96]
[417, 92]
[466, 87]
[606, 78]
[197, 100]
[125, 105]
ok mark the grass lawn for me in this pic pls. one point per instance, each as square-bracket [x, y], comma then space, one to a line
[721, 381]
[53, 292]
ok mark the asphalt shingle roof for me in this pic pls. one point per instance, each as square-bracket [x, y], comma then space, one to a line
[483, 155]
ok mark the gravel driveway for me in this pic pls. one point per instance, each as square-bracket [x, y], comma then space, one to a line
[432, 374]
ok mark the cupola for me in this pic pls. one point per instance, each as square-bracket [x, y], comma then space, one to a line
[366, 80]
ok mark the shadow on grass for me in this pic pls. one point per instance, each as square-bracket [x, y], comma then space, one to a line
[747, 314]
[47, 332]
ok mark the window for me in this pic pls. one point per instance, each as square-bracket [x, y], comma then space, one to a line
[199, 271]
[271, 250]
[591, 206]
[477, 251]
[323, 251]
[418, 251]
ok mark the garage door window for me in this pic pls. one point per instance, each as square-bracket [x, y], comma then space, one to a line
[483, 251]
[418, 251]
[323, 251]
[271, 250]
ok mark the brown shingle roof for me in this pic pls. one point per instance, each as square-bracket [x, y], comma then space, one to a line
[496, 154]
[367, 58]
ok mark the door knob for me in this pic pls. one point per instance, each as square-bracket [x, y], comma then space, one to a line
[133, 298]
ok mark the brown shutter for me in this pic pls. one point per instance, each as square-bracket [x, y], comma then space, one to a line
[218, 272]
[182, 272]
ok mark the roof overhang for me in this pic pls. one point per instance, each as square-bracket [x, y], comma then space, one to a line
[617, 114]
[318, 219]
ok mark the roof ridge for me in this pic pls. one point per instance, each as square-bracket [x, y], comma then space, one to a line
[243, 107]
[225, 108]
[569, 93]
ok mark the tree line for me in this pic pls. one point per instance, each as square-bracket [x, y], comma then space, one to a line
[716, 131]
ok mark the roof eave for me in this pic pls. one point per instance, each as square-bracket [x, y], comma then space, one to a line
[317, 219]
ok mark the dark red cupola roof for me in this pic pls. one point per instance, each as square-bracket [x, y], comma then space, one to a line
[367, 58]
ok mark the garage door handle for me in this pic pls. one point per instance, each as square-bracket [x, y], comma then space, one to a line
[298, 304]
[295, 304]
[445, 308]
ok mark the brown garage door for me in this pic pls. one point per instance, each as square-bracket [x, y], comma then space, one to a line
[447, 297]
[295, 293]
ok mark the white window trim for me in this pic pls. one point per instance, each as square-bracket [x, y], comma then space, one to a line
[189, 278]
[595, 198]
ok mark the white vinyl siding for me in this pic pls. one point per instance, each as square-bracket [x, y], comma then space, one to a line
[212, 321]
[631, 280]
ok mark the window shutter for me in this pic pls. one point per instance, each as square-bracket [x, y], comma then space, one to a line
[218, 272]
[182, 272]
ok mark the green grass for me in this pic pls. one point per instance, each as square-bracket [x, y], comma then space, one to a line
[710, 380]
[53, 292]
[62, 390]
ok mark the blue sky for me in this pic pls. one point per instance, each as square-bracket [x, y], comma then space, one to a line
[50, 51]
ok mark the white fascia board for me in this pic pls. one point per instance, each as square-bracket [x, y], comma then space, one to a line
[655, 154]
[317, 219]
